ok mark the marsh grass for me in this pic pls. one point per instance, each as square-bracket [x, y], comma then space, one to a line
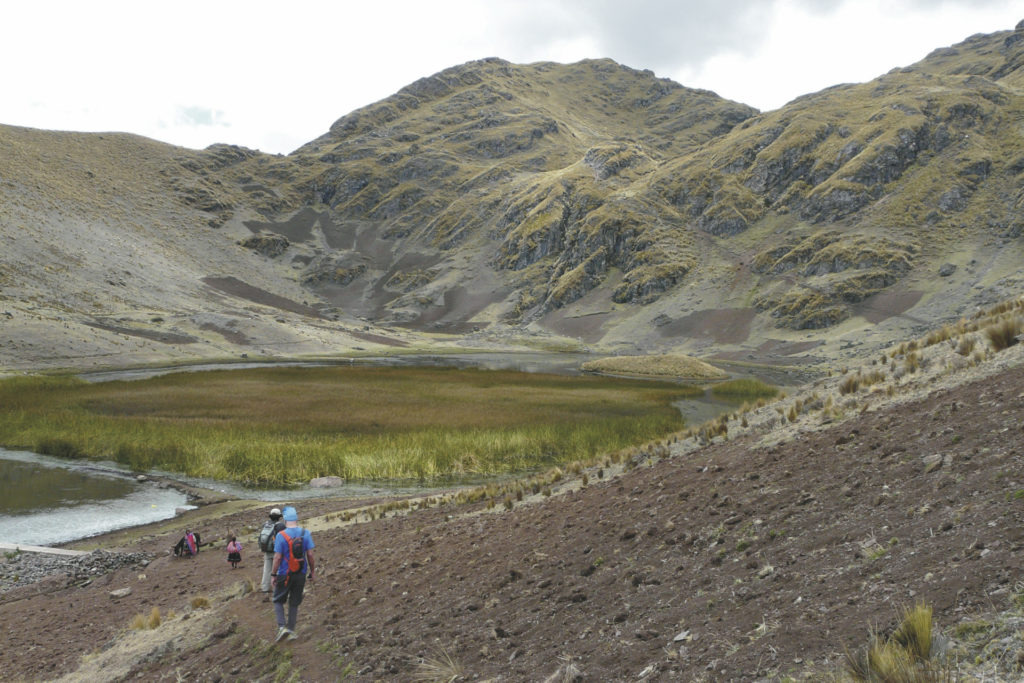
[744, 390]
[276, 426]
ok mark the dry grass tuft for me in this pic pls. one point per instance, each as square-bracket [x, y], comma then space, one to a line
[914, 634]
[966, 345]
[439, 668]
[905, 657]
[1003, 333]
[143, 622]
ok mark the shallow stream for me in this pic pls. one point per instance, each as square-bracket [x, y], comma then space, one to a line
[46, 500]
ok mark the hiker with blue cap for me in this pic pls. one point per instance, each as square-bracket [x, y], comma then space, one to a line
[293, 565]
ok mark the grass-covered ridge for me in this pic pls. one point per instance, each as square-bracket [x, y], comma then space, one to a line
[285, 425]
[674, 365]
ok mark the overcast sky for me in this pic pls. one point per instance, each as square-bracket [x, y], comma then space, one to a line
[273, 75]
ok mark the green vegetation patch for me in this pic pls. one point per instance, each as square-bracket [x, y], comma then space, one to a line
[744, 389]
[663, 365]
[280, 426]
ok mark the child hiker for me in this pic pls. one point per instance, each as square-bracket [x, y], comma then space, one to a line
[234, 552]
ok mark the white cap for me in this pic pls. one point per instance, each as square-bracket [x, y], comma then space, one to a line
[276, 512]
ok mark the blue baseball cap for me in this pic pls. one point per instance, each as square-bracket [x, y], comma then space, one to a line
[289, 514]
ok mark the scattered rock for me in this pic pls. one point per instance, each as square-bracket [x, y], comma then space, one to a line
[932, 463]
[27, 568]
[946, 269]
[325, 482]
[269, 245]
[121, 593]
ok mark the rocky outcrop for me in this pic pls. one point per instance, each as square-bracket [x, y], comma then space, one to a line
[827, 252]
[405, 281]
[269, 244]
[335, 269]
[836, 270]
[607, 162]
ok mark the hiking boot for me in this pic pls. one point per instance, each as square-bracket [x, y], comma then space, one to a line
[292, 636]
[281, 633]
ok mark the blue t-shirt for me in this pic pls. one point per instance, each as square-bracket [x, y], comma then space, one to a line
[281, 546]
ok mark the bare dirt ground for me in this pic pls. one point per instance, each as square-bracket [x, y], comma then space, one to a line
[748, 559]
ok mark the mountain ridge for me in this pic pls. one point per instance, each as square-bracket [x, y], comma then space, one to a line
[590, 203]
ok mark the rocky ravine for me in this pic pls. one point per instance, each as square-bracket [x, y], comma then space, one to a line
[747, 559]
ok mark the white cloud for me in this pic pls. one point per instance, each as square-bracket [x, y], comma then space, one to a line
[273, 76]
[200, 116]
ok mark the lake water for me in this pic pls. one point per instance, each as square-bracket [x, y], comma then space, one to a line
[46, 500]
[556, 363]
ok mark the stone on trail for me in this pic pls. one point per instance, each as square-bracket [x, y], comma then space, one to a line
[120, 593]
[932, 463]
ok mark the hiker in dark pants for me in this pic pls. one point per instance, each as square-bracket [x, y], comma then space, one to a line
[293, 565]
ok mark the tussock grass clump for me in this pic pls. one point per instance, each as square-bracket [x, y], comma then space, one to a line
[912, 362]
[942, 334]
[441, 667]
[200, 602]
[744, 389]
[853, 383]
[914, 634]
[966, 345]
[355, 423]
[1003, 333]
[904, 657]
[144, 622]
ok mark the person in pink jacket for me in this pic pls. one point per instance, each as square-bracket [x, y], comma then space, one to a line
[234, 552]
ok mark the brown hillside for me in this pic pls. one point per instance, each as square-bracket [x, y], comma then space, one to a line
[755, 558]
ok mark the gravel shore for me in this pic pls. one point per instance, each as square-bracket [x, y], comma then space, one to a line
[24, 568]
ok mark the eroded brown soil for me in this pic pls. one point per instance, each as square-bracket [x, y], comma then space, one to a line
[764, 560]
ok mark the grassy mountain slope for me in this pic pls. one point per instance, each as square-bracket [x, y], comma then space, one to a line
[494, 200]
[591, 189]
[112, 250]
